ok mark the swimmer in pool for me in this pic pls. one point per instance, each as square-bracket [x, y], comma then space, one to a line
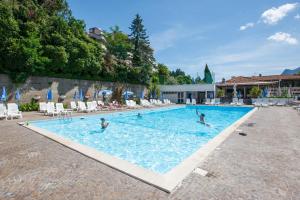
[139, 115]
[202, 118]
[104, 123]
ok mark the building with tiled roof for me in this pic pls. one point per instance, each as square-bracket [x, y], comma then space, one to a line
[274, 84]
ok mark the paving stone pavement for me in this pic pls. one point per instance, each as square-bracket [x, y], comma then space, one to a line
[265, 164]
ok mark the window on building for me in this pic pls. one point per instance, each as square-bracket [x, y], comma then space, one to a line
[180, 97]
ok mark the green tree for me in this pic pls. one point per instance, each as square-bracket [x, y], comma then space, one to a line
[255, 92]
[118, 44]
[220, 93]
[177, 72]
[163, 73]
[142, 52]
[154, 89]
[198, 80]
[43, 38]
[207, 75]
[181, 79]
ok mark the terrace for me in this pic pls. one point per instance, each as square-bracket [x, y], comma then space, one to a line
[262, 165]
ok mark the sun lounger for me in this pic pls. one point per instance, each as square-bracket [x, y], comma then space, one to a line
[159, 103]
[43, 107]
[234, 101]
[188, 101]
[145, 103]
[217, 101]
[13, 111]
[51, 109]
[61, 110]
[82, 107]
[91, 107]
[3, 111]
[281, 102]
[73, 105]
[129, 104]
[240, 102]
[207, 102]
[193, 101]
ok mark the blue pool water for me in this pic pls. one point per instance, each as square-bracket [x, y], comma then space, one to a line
[158, 141]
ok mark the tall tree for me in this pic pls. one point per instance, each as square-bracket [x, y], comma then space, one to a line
[207, 75]
[142, 52]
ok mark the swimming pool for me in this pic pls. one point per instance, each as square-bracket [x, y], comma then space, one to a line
[158, 141]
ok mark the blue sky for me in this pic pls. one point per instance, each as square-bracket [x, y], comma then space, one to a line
[233, 37]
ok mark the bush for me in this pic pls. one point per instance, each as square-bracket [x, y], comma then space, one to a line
[27, 107]
[220, 93]
[255, 92]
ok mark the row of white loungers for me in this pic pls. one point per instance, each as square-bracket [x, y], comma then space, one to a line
[237, 102]
[90, 106]
[53, 109]
[212, 101]
[131, 104]
[189, 102]
[264, 102]
[154, 102]
[10, 112]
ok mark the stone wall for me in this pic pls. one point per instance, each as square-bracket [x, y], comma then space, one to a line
[38, 86]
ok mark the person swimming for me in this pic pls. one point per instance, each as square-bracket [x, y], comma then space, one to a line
[104, 123]
[139, 115]
[201, 118]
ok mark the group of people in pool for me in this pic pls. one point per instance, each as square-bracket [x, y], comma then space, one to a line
[104, 123]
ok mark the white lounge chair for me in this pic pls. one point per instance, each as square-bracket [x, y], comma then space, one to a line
[188, 101]
[3, 111]
[13, 111]
[234, 101]
[73, 105]
[145, 103]
[193, 101]
[281, 102]
[217, 101]
[82, 107]
[91, 107]
[43, 107]
[166, 101]
[240, 102]
[61, 110]
[159, 103]
[207, 102]
[131, 104]
[51, 109]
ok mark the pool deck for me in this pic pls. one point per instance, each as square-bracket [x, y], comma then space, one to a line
[265, 164]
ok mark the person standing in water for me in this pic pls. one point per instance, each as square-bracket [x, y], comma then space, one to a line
[104, 123]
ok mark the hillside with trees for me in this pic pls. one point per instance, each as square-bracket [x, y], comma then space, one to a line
[42, 37]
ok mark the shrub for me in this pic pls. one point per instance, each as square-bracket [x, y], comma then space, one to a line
[220, 93]
[27, 107]
[255, 92]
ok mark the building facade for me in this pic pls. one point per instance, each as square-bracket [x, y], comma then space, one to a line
[272, 86]
[180, 93]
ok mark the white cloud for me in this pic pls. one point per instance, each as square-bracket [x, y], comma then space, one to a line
[246, 26]
[165, 39]
[273, 15]
[283, 37]
[297, 17]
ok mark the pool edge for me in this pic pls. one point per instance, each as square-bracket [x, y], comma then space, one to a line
[166, 182]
